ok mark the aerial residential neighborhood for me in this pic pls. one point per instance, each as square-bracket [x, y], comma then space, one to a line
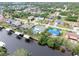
[39, 28]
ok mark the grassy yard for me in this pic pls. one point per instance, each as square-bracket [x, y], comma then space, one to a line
[5, 24]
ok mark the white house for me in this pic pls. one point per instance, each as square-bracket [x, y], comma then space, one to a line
[76, 29]
[39, 18]
[30, 17]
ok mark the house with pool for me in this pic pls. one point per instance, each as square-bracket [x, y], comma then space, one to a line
[38, 29]
[72, 36]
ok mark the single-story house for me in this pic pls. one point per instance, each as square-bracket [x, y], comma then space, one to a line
[13, 22]
[73, 24]
[54, 32]
[10, 21]
[39, 18]
[33, 10]
[16, 23]
[31, 18]
[58, 22]
[56, 13]
[38, 29]
[76, 29]
[73, 36]
[1, 18]
[27, 26]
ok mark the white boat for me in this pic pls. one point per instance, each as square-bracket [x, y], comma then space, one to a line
[2, 44]
[17, 33]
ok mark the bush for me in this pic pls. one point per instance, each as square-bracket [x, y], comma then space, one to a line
[62, 49]
[55, 42]
[64, 13]
[3, 51]
[68, 44]
[50, 43]
[21, 15]
[43, 38]
[72, 18]
[75, 50]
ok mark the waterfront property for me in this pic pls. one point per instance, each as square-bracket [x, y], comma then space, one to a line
[72, 36]
[38, 24]
[39, 18]
[38, 29]
[27, 26]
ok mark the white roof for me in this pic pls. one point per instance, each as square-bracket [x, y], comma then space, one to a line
[39, 18]
[30, 17]
[76, 29]
[2, 44]
[26, 36]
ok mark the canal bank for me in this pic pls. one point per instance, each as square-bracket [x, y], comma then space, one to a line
[12, 44]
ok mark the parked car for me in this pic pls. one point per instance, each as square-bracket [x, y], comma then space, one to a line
[27, 40]
[1, 28]
[10, 32]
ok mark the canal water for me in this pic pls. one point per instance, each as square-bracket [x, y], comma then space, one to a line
[12, 44]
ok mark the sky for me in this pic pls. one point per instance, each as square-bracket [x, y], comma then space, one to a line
[39, 0]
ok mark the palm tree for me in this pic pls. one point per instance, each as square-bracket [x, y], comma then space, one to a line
[3, 51]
